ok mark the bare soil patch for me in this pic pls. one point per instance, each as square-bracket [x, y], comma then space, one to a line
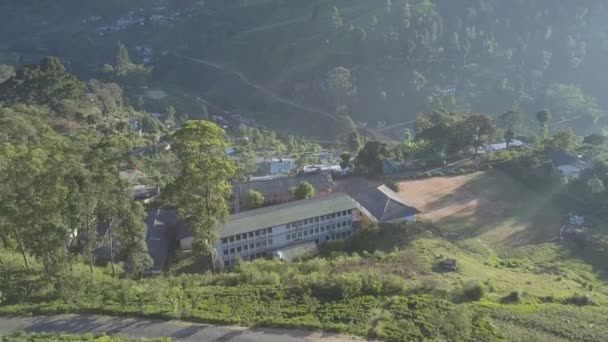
[490, 205]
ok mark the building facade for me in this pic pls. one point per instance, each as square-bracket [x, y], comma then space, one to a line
[259, 233]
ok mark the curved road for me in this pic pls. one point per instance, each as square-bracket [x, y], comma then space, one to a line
[148, 328]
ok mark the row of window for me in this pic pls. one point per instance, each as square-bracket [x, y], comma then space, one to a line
[249, 235]
[311, 231]
[319, 219]
[228, 261]
[246, 247]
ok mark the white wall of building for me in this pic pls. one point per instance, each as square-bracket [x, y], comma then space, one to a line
[570, 171]
[261, 243]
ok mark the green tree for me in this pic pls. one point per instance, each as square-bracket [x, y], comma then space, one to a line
[254, 199]
[562, 140]
[6, 72]
[132, 232]
[354, 142]
[46, 83]
[345, 161]
[482, 127]
[122, 60]
[544, 117]
[304, 191]
[509, 136]
[596, 185]
[339, 82]
[595, 139]
[369, 159]
[201, 189]
[335, 19]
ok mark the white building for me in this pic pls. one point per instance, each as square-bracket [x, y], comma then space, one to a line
[282, 166]
[490, 148]
[568, 165]
[262, 232]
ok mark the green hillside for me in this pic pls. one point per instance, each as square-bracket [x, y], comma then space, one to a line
[270, 58]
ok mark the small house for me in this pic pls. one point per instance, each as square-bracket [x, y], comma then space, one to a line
[568, 165]
[282, 166]
[491, 148]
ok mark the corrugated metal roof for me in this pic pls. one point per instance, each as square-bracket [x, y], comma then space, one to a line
[286, 213]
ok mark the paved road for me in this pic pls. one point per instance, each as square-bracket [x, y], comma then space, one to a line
[178, 331]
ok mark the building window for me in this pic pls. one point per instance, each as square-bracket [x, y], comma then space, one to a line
[246, 247]
[310, 232]
[327, 238]
[251, 246]
[257, 233]
[231, 250]
[306, 233]
[316, 219]
[350, 211]
[333, 215]
[225, 252]
[299, 234]
[288, 225]
[238, 249]
[270, 241]
[251, 235]
[269, 230]
[339, 213]
[244, 236]
[264, 243]
[231, 239]
[224, 240]
[238, 238]
[317, 230]
[322, 218]
[288, 237]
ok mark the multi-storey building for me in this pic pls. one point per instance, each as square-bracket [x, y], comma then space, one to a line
[259, 233]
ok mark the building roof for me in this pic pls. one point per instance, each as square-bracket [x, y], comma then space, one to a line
[283, 185]
[379, 201]
[503, 145]
[285, 213]
[561, 158]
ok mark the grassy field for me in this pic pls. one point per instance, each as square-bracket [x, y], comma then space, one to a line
[489, 206]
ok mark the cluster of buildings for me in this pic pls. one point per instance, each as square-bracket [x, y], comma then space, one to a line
[285, 229]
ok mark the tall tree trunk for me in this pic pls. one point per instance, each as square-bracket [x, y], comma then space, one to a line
[91, 262]
[111, 249]
[21, 248]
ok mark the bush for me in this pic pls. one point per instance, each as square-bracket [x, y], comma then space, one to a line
[579, 300]
[512, 297]
[393, 185]
[473, 292]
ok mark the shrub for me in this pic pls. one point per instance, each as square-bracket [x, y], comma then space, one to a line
[473, 292]
[512, 297]
[579, 300]
[393, 185]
